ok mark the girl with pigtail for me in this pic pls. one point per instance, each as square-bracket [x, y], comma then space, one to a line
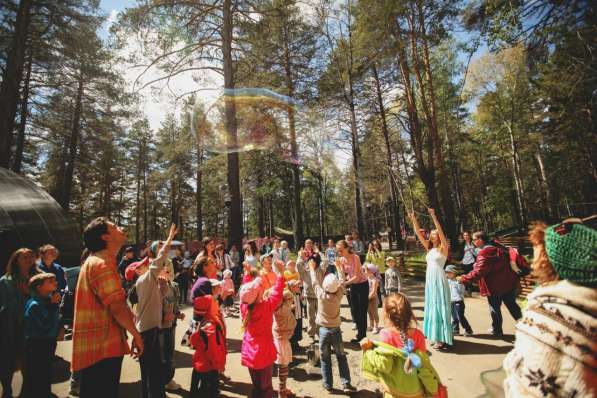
[399, 360]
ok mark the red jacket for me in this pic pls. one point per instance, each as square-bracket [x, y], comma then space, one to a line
[492, 270]
[210, 348]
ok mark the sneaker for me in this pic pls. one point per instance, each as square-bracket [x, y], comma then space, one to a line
[328, 389]
[173, 386]
[468, 333]
[355, 341]
[348, 388]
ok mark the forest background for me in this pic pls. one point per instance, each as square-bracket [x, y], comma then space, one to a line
[484, 110]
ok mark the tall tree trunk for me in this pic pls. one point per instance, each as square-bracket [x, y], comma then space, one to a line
[11, 80]
[145, 214]
[516, 173]
[356, 154]
[548, 203]
[270, 216]
[320, 200]
[394, 206]
[73, 147]
[138, 196]
[17, 162]
[297, 220]
[261, 216]
[173, 203]
[198, 193]
[235, 220]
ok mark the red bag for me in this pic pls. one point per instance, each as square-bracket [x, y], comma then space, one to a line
[442, 391]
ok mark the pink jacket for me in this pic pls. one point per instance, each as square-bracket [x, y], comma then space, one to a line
[258, 350]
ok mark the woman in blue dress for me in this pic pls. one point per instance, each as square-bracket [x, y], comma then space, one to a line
[437, 323]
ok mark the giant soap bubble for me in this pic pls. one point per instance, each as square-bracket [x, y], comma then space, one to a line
[30, 217]
[260, 118]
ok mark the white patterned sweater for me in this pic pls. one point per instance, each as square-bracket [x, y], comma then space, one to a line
[555, 353]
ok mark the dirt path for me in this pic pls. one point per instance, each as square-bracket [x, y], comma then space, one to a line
[459, 369]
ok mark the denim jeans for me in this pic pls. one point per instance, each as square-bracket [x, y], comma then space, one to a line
[458, 317]
[152, 377]
[329, 337]
[166, 340]
[495, 304]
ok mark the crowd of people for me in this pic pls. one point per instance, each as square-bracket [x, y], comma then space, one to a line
[276, 295]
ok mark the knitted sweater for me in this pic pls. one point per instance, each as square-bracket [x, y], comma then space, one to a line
[555, 353]
[385, 364]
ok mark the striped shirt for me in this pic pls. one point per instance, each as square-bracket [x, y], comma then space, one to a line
[96, 334]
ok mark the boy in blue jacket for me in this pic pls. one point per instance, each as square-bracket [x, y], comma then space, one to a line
[41, 324]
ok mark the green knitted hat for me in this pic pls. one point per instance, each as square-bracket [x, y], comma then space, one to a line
[572, 250]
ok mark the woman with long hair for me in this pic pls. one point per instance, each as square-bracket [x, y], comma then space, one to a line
[556, 339]
[358, 284]
[14, 292]
[437, 323]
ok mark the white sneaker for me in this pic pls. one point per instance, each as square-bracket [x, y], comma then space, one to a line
[354, 326]
[173, 386]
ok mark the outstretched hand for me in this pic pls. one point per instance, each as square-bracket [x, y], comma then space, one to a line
[279, 264]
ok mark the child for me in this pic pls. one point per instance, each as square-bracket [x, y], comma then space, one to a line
[329, 294]
[283, 329]
[457, 291]
[209, 342]
[393, 284]
[170, 313]
[258, 352]
[402, 347]
[372, 278]
[149, 317]
[227, 292]
[41, 324]
[292, 274]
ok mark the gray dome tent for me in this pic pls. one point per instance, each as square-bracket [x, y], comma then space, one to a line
[30, 217]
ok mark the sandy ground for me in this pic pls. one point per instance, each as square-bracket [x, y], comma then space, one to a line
[460, 368]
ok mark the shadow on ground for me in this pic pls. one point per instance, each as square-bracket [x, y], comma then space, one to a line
[467, 347]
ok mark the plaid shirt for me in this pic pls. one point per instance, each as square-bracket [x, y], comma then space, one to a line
[96, 334]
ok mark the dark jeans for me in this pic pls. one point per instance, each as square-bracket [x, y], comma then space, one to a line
[495, 309]
[359, 300]
[262, 382]
[167, 352]
[37, 369]
[329, 337]
[152, 377]
[458, 317]
[101, 379]
[205, 384]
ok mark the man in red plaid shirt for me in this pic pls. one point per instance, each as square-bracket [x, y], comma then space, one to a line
[102, 316]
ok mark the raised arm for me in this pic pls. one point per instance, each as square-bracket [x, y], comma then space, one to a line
[440, 232]
[417, 229]
[163, 253]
